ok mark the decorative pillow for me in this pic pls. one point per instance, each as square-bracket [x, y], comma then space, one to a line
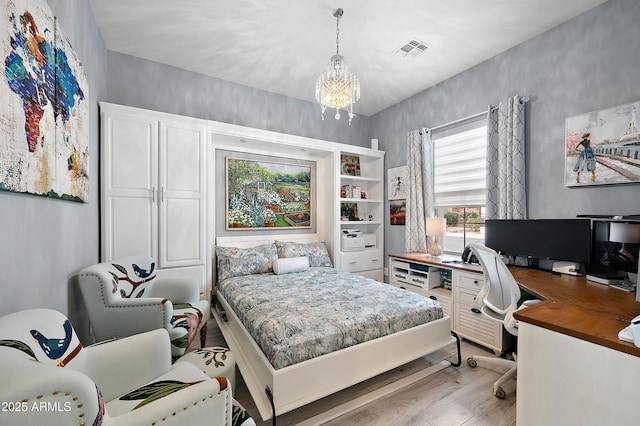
[316, 252]
[236, 262]
[290, 265]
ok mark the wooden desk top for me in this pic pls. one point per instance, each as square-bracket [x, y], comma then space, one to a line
[579, 308]
[571, 304]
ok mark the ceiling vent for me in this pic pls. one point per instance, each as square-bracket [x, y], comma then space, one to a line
[412, 48]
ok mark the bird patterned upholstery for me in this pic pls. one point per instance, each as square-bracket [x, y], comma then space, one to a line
[113, 292]
[50, 378]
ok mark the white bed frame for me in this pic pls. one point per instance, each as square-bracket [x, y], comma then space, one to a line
[280, 391]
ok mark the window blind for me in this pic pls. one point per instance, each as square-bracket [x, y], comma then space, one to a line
[460, 161]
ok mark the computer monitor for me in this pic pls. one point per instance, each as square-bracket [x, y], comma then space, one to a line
[556, 239]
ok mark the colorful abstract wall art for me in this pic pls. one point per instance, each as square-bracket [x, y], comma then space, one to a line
[44, 113]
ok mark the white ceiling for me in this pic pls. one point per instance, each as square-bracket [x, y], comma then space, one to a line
[282, 46]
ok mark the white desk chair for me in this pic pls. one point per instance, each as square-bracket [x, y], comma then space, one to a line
[498, 300]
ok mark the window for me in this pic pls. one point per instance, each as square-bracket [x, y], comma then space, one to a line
[460, 183]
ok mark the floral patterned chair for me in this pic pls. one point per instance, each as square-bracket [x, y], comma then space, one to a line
[48, 377]
[125, 297]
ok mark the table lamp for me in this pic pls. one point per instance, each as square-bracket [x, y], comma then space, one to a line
[436, 227]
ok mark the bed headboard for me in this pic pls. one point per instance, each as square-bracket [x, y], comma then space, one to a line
[247, 241]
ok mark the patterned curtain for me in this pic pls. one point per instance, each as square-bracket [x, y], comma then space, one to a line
[420, 197]
[506, 191]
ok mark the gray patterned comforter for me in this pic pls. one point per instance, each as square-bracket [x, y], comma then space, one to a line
[299, 316]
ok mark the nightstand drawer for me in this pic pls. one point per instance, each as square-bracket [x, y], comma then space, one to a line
[362, 261]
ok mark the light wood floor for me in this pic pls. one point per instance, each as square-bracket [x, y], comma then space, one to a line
[453, 396]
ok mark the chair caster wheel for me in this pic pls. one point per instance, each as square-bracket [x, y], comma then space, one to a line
[500, 393]
[472, 362]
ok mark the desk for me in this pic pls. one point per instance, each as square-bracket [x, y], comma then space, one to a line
[571, 304]
[578, 308]
[572, 369]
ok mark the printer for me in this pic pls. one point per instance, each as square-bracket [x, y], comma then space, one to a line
[352, 240]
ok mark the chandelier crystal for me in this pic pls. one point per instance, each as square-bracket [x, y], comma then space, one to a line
[337, 87]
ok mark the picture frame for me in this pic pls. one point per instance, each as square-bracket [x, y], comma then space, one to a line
[603, 147]
[263, 194]
[397, 212]
[350, 165]
[349, 212]
[397, 188]
[44, 118]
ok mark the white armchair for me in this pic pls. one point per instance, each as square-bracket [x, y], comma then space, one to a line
[125, 297]
[49, 378]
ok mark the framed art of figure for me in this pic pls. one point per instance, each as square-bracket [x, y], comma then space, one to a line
[397, 183]
[603, 147]
[44, 115]
[267, 195]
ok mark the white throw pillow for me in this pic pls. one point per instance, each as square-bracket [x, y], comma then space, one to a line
[290, 264]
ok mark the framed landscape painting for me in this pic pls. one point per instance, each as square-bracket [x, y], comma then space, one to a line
[267, 195]
[44, 113]
[603, 147]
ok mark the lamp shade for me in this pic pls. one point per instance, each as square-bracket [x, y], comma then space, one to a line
[436, 227]
[624, 232]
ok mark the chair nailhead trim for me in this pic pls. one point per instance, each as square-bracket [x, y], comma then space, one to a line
[67, 393]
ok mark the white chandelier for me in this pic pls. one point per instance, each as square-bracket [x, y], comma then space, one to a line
[337, 87]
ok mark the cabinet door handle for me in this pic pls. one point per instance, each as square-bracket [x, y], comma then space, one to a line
[416, 280]
[374, 260]
[353, 262]
[433, 297]
[153, 194]
[162, 194]
[401, 276]
[475, 310]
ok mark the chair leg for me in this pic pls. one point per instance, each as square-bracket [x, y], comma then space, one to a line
[203, 336]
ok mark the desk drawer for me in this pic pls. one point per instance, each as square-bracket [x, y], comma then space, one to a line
[399, 271]
[472, 324]
[444, 301]
[469, 281]
[362, 261]
[419, 278]
[466, 296]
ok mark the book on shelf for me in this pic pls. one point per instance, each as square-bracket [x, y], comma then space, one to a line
[351, 191]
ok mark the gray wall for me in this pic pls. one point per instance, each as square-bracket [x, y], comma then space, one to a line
[151, 85]
[45, 242]
[589, 63]
[586, 64]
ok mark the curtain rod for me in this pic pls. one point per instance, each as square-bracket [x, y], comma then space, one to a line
[471, 117]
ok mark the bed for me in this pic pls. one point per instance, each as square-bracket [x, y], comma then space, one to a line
[304, 359]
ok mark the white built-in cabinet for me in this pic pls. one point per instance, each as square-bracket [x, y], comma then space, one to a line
[363, 188]
[153, 189]
[162, 187]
